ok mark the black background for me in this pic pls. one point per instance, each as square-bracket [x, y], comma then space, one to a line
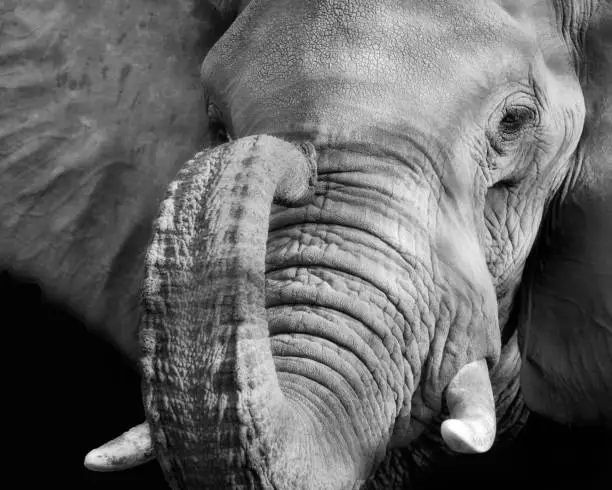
[67, 391]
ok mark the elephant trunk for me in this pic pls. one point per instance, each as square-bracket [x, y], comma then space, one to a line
[217, 413]
[278, 352]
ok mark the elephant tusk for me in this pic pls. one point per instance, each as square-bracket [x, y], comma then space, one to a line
[472, 422]
[132, 448]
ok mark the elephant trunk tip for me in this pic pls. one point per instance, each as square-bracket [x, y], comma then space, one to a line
[297, 185]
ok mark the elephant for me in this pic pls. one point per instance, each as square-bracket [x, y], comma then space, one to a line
[334, 237]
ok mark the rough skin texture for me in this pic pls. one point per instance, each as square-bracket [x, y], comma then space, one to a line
[462, 210]
[101, 105]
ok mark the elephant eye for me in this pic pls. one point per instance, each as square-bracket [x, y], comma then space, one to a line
[216, 126]
[219, 132]
[515, 119]
[509, 130]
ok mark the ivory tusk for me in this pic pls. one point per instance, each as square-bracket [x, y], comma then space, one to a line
[472, 423]
[130, 449]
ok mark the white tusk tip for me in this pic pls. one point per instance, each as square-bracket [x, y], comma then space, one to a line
[98, 460]
[133, 448]
[464, 438]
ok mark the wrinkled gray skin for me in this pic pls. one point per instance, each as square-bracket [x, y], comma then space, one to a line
[462, 210]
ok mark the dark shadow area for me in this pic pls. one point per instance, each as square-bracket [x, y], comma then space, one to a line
[546, 455]
[69, 391]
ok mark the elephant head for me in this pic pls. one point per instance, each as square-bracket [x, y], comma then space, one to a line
[360, 257]
[410, 192]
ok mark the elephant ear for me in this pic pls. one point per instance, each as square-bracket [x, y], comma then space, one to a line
[101, 104]
[565, 330]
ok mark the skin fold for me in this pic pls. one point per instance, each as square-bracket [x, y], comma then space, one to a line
[396, 234]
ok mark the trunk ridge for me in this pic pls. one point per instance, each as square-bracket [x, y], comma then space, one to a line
[210, 387]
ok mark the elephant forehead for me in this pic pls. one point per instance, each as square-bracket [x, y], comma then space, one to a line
[417, 54]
